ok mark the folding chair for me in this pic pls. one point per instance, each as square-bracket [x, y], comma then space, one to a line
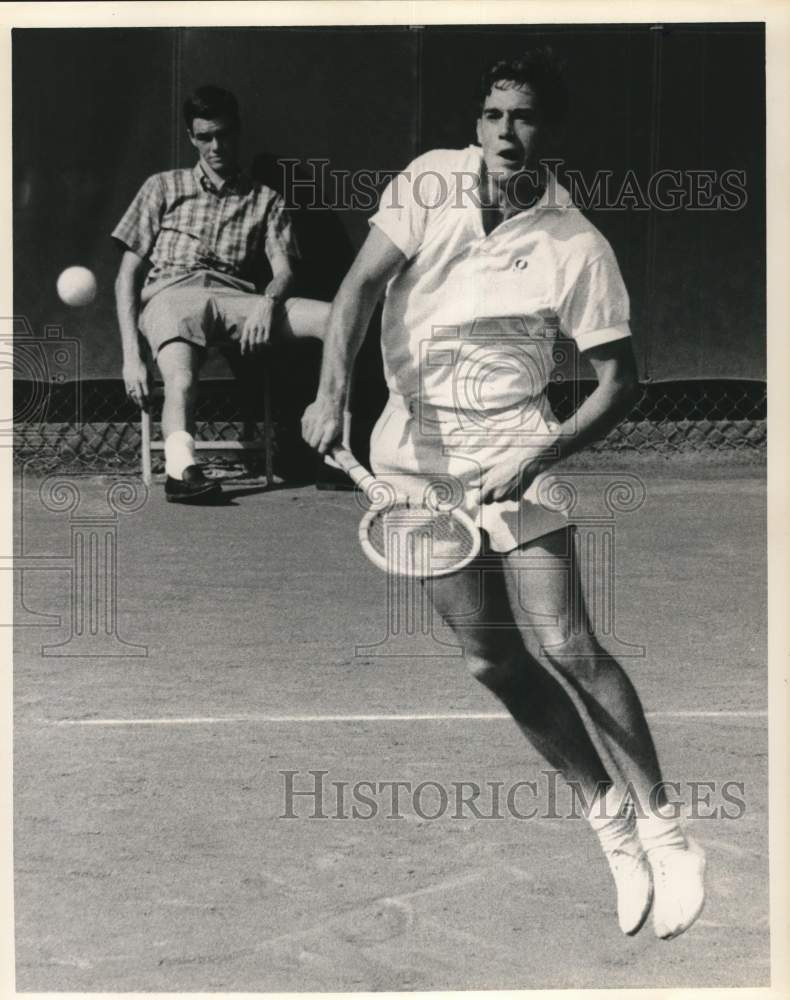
[148, 445]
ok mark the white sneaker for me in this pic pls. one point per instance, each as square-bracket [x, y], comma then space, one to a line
[632, 878]
[678, 874]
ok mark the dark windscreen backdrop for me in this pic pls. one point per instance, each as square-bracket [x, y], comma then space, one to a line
[96, 111]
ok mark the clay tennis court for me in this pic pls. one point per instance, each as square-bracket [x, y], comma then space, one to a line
[150, 849]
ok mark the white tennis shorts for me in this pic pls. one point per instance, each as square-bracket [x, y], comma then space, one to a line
[417, 448]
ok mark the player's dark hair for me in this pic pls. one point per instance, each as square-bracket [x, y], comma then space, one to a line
[210, 103]
[540, 68]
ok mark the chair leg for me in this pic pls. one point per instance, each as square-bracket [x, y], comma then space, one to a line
[345, 438]
[267, 427]
[145, 445]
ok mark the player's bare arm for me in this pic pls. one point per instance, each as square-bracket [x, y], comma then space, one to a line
[262, 318]
[127, 304]
[377, 261]
[617, 391]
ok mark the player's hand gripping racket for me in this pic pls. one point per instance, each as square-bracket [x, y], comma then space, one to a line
[410, 538]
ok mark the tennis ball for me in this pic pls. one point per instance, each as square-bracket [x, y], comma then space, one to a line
[77, 286]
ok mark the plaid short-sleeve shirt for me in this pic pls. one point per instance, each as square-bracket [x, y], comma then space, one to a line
[181, 223]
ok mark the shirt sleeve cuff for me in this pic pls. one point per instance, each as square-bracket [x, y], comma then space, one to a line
[392, 231]
[594, 338]
[129, 243]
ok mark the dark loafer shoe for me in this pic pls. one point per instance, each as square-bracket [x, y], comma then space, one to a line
[193, 487]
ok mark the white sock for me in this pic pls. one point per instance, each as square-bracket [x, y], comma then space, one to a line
[179, 453]
[657, 830]
[607, 817]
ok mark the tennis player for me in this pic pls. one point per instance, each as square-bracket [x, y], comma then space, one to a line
[483, 262]
[216, 250]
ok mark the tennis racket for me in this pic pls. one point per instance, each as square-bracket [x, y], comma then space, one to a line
[406, 537]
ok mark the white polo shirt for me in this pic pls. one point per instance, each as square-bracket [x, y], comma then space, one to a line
[470, 321]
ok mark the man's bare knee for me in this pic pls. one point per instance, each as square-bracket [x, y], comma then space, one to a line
[494, 672]
[179, 381]
[579, 659]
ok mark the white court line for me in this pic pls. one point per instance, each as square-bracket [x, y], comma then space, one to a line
[412, 717]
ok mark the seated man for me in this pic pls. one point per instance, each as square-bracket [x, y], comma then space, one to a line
[217, 252]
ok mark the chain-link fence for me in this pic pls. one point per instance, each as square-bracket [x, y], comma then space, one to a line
[92, 427]
[725, 417]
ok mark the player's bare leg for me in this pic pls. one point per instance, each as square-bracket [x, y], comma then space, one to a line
[179, 363]
[303, 318]
[294, 319]
[495, 651]
[481, 618]
[541, 577]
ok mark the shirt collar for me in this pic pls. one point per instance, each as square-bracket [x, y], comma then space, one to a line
[240, 182]
[555, 197]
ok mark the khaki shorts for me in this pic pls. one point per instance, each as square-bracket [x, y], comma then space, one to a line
[415, 447]
[200, 309]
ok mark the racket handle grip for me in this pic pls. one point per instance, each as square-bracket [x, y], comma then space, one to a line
[351, 467]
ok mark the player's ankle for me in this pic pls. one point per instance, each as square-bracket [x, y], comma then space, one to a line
[612, 819]
[660, 827]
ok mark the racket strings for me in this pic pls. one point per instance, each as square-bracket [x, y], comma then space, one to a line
[411, 539]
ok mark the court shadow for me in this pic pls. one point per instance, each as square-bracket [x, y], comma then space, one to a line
[231, 494]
